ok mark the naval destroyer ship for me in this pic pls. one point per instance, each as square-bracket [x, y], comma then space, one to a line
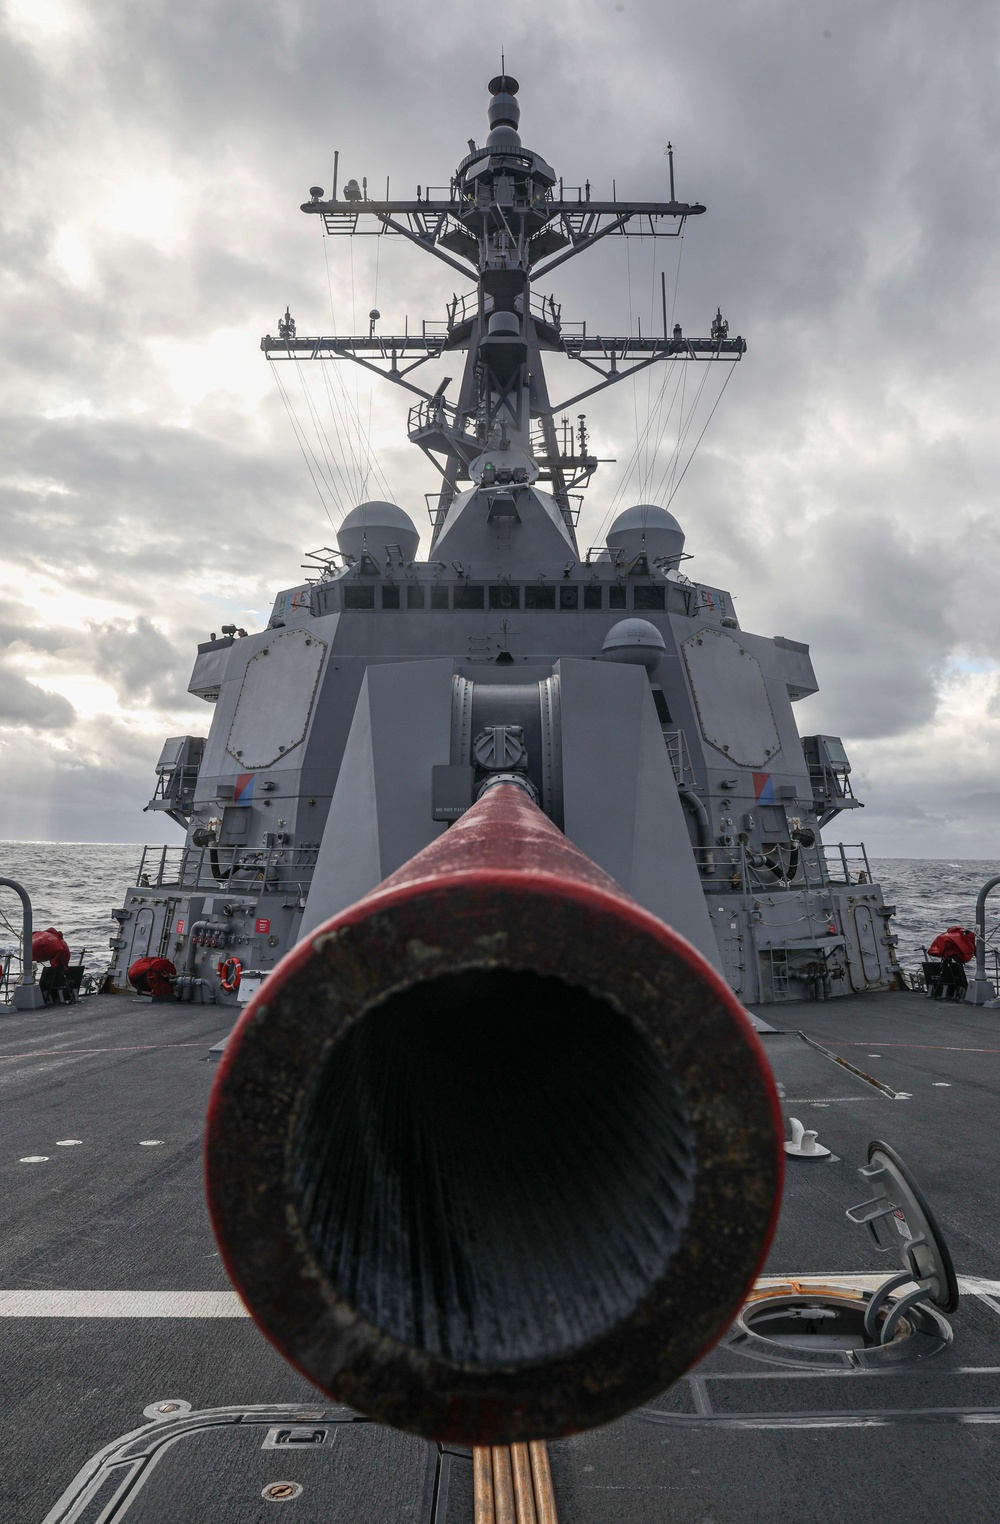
[588, 732]
[299, 799]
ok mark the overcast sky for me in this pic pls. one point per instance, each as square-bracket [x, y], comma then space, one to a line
[151, 485]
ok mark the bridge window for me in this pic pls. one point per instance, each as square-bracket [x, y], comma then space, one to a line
[469, 596]
[592, 595]
[540, 595]
[569, 596]
[616, 596]
[647, 596]
[505, 597]
[439, 596]
[416, 596]
[390, 597]
[359, 595]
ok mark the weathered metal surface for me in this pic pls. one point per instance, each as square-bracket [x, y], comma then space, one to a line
[495, 1155]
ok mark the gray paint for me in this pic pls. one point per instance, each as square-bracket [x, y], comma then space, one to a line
[731, 698]
[620, 801]
[380, 814]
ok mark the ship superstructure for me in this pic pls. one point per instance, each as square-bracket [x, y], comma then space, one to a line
[388, 691]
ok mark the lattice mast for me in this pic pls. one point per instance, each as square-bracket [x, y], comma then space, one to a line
[506, 221]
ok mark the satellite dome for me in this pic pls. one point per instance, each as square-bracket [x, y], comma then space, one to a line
[648, 530]
[373, 526]
[503, 137]
[634, 641]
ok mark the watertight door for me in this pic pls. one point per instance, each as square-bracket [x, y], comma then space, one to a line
[864, 927]
[141, 934]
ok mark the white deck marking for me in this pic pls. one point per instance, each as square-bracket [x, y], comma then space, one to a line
[145, 1047]
[34, 1159]
[820, 1100]
[68, 1142]
[226, 1304]
[121, 1304]
[150, 1142]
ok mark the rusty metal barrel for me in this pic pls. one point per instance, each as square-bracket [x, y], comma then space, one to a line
[494, 1155]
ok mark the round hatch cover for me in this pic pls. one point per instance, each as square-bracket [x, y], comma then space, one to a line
[911, 1227]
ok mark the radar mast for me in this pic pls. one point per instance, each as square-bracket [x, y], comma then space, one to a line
[504, 221]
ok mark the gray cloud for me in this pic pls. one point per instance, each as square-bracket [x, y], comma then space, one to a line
[25, 703]
[141, 663]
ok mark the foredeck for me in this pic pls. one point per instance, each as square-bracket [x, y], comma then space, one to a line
[117, 1214]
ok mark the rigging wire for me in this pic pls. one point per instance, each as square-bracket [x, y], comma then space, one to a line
[671, 468]
[371, 389]
[632, 461]
[340, 402]
[646, 463]
[680, 424]
[654, 412]
[702, 434]
[344, 399]
[363, 442]
[322, 439]
[295, 430]
[635, 391]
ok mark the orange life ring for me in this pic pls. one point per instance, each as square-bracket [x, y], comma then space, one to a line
[230, 971]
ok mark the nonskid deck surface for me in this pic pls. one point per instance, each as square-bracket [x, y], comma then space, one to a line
[110, 1096]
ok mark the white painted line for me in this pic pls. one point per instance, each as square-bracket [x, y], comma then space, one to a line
[69, 1142]
[34, 1159]
[121, 1304]
[942, 1085]
[821, 1100]
[978, 1285]
[150, 1142]
[226, 1304]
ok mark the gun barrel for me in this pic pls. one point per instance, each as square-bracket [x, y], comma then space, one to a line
[494, 1155]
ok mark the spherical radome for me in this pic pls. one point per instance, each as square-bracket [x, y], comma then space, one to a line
[371, 527]
[647, 529]
[635, 642]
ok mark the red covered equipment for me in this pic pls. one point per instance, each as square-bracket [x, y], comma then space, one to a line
[956, 942]
[50, 947]
[152, 976]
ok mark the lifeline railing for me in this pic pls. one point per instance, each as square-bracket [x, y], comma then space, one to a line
[847, 864]
[733, 867]
[245, 870]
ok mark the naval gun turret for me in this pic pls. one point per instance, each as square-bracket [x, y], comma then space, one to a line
[389, 688]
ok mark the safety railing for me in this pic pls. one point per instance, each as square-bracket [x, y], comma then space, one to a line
[847, 864]
[434, 414]
[245, 871]
[10, 972]
[786, 865]
[461, 309]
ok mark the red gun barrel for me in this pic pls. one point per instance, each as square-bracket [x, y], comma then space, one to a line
[494, 1154]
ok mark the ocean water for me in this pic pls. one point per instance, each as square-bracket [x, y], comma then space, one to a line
[74, 885]
[931, 894]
